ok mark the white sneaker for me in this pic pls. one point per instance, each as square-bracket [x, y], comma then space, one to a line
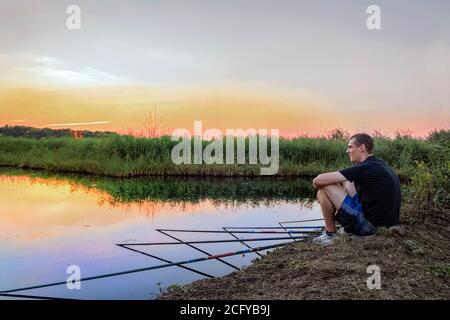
[324, 239]
[342, 233]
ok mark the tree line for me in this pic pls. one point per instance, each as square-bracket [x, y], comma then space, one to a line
[38, 133]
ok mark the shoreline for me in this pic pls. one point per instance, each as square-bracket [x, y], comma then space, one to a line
[413, 265]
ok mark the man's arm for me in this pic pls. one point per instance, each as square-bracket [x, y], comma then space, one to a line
[325, 179]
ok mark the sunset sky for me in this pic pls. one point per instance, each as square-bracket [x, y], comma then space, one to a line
[298, 66]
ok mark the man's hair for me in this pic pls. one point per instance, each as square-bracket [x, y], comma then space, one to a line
[365, 139]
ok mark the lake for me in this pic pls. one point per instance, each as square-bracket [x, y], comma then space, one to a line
[50, 221]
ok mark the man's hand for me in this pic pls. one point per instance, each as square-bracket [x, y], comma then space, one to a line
[325, 179]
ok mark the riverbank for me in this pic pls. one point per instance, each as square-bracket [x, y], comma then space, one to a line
[414, 264]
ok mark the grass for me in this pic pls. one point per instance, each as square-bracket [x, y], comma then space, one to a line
[440, 270]
[126, 156]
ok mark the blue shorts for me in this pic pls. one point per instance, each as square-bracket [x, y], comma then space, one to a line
[350, 216]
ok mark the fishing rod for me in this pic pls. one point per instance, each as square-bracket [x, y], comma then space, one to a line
[210, 241]
[240, 240]
[219, 231]
[164, 260]
[286, 231]
[108, 275]
[299, 221]
[198, 249]
[275, 228]
[12, 295]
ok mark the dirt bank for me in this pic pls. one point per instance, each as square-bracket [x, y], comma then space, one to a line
[414, 265]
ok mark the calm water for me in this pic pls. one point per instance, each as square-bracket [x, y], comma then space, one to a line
[48, 222]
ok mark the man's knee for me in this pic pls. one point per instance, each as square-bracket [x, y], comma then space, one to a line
[336, 193]
[349, 188]
[331, 188]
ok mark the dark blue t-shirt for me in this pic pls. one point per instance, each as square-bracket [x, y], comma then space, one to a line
[378, 188]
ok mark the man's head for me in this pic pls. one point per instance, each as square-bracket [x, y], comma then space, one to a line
[360, 146]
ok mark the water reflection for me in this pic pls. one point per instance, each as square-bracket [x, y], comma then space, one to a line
[49, 221]
[173, 189]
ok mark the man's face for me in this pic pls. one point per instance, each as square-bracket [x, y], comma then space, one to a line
[354, 152]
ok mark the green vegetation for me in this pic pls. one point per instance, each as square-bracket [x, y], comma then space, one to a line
[440, 270]
[429, 187]
[126, 156]
[38, 133]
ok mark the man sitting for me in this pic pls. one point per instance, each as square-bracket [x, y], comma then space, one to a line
[361, 197]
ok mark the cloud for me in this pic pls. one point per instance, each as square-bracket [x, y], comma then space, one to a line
[45, 70]
[77, 124]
